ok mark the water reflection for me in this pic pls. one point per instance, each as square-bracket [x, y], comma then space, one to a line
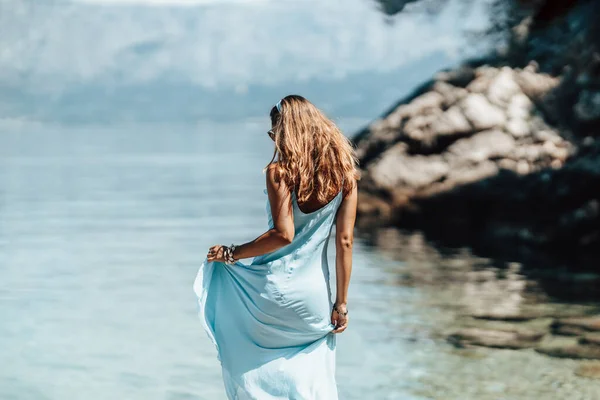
[102, 232]
[507, 284]
[456, 291]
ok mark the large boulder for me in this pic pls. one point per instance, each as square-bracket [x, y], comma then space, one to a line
[535, 85]
[452, 121]
[396, 169]
[485, 149]
[481, 113]
[450, 93]
[503, 88]
[519, 107]
[481, 147]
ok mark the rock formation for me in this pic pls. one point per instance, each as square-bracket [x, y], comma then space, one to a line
[497, 153]
[471, 153]
[502, 155]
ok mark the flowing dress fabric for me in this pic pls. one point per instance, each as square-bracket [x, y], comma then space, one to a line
[271, 319]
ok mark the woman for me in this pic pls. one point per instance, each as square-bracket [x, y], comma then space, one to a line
[273, 320]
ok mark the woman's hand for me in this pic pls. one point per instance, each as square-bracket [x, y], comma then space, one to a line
[339, 319]
[215, 253]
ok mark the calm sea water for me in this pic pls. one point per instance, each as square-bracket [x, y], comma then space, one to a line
[102, 229]
[101, 235]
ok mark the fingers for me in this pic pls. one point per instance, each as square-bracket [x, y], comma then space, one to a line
[214, 253]
[341, 328]
[340, 322]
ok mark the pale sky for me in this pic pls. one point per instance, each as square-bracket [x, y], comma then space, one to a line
[227, 43]
[171, 2]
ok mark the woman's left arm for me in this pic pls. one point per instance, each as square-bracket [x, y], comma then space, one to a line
[280, 235]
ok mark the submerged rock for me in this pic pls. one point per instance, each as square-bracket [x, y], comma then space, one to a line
[576, 326]
[514, 317]
[506, 339]
[590, 339]
[577, 351]
[589, 370]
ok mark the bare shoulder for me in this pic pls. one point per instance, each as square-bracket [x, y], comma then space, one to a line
[273, 180]
[271, 173]
[271, 169]
[352, 193]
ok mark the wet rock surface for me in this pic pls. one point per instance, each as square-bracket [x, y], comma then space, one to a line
[575, 338]
[519, 316]
[581, 334]
[576, 326]
[577, 351]
[500, 158]
[479, 163]
[590, 339]
[484, 312]
[506, 339]
[589, 370]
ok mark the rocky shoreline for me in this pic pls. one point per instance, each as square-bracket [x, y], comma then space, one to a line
[471, 159]
[483, 306]
[574, 338]
[501, 156]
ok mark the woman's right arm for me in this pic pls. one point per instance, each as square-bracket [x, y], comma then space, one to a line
[344, 239]
[283, 230]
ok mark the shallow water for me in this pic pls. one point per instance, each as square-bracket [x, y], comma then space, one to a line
[101, 235]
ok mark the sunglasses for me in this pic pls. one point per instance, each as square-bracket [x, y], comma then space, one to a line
[271, 134]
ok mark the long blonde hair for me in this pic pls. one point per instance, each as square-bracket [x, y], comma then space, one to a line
[313, 155]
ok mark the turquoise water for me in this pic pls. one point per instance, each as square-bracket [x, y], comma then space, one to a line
[102, 231]
[104, 219]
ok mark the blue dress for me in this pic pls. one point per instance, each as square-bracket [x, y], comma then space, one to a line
[271, 319]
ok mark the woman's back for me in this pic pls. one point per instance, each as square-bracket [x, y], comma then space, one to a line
[313, 203]
[313, 227]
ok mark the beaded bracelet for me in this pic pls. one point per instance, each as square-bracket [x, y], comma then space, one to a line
[228, 254]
